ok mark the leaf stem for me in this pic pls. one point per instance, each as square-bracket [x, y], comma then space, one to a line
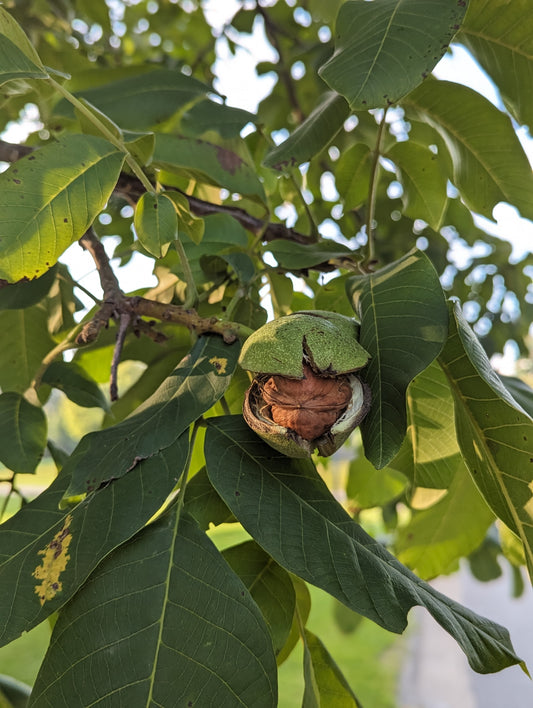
[68, 343]
[367, 264]
[240, 293]
[180, 497]
[104, 130]
[312, 223]
[70, 280]
[191, 298]
[225, 406]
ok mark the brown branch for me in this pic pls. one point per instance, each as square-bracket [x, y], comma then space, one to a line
[130, 189]
[230, 331]
[269, 231]
[9, 152]
[108, 280]
[124, 323]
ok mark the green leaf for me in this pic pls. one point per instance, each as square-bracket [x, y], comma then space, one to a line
[17, 296]
[403, 327]
[203, 502]
[222, 235]
[275, 497]
[206, 162]
[88, 126]
[326, 10]
[22, 433]
[144, 100]
[423, 180]
[520, 391]
[208, 115]
[140, 145]
[300, 617]
[494, 433]
[62, 302]
[76, 384]
[156, 223]
[23, 350]
[241, 263]
[311, 136]
[47, 553]
[435, 539]
[173, 623]
[18, 58]
[269, 585]
[352, 175]
[325, 684]
[152, 377]
[502, 42]
[331, 296]
[187, 222]
[489, 163]
[368, 487]
[297, 256]
[431, 437]
[384, 50]
[49, 198]
[196, 384]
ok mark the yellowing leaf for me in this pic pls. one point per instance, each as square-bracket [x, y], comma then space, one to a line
[55, 559]
[49, 198]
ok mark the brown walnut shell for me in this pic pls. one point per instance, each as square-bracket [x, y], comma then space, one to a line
[309, 406]
[297, 416]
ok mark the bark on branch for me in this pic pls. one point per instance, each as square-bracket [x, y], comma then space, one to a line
[131, 189]
[128, 312]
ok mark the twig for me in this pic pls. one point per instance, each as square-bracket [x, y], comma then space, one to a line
[130, 189]
[10, 152]
[108, 280]
[124, 323]
[191, 297]
[230, 331]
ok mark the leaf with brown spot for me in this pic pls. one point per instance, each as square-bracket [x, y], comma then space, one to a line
[207, 163]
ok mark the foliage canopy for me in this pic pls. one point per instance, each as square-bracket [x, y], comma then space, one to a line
[357, 187]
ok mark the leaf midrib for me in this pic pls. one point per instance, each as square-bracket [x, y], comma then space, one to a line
[493, 465]
[417, 586]
[496, 40]
[64, 189]
[442, 123]
[379, 50]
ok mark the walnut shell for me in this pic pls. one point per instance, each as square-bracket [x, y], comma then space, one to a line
[305, 394]
[292, 417]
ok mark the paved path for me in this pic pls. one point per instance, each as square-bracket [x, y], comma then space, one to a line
[436, 673]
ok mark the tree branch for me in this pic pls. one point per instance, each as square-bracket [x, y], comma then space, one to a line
[116, 304]
[130, 188]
